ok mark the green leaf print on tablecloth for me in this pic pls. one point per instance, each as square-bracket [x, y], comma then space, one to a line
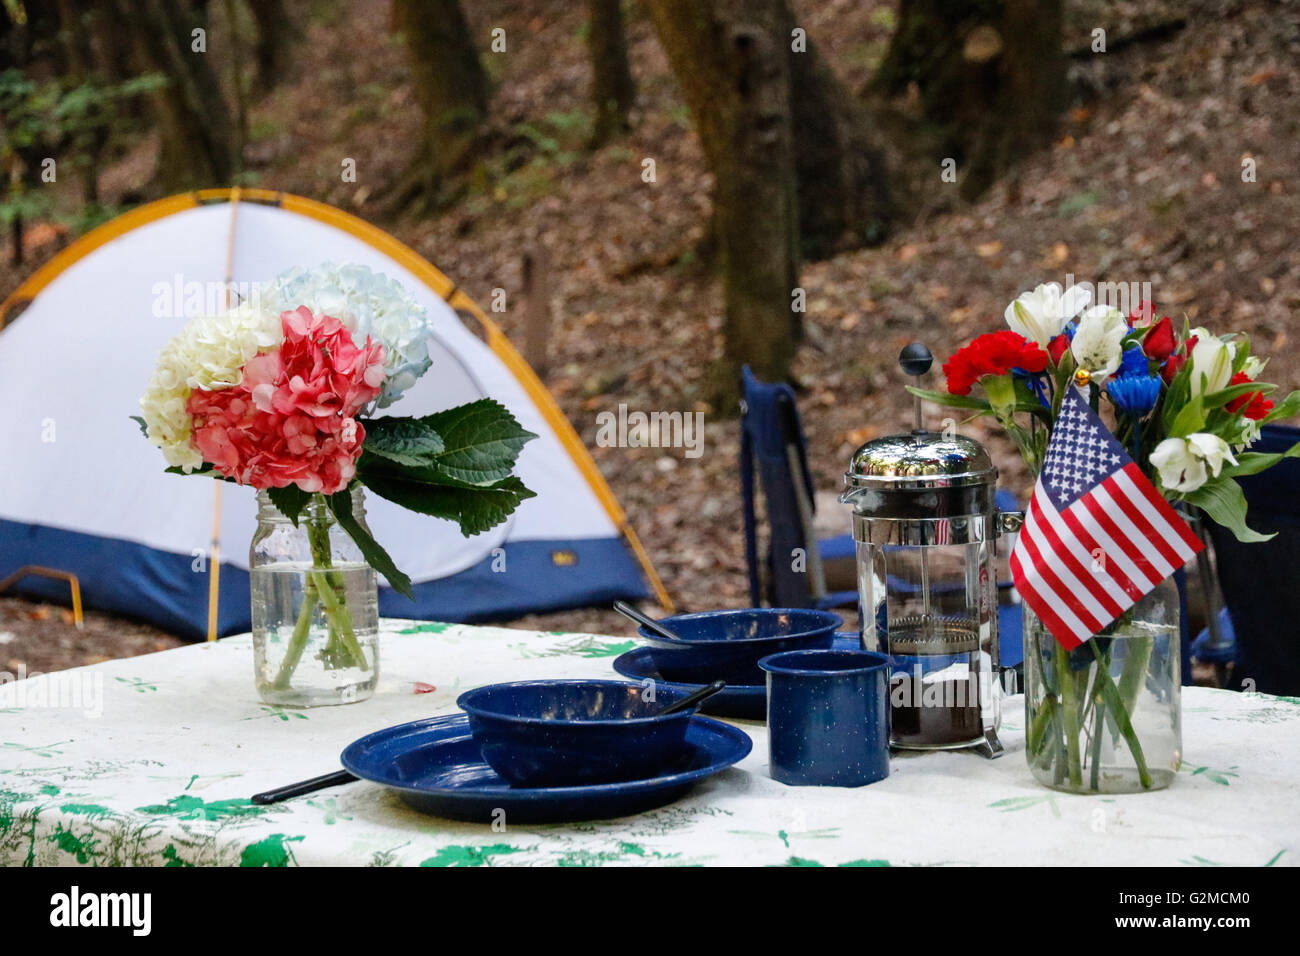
[1218, 776]
[1013, 804]
[801, 861]
[428, 627]
[40, 750]
[273, 851]
[621, 851]
[470, 855]
[582, 645]
[138, 684]
[329, 808]
[279, 712]
[189, 807]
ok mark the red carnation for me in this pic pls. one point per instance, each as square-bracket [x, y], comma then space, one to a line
[1159, 343]
[995, 353]
[1253, 404]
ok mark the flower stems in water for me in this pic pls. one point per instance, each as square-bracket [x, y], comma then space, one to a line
[324, 587]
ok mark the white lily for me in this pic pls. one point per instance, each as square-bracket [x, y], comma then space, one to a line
[1041, 315]
[1211, 449]
[1098, 345]
[1184, 464]
[1211, 363]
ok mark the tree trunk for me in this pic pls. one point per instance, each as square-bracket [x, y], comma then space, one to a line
[990, 76]
[844, 195]
[194, 122]
[75, 36]
[731, 61]
[612, 88]
[451, 88]
[275, 36]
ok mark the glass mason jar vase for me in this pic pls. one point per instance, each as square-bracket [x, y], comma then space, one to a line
[315, 608]
[1106, 717]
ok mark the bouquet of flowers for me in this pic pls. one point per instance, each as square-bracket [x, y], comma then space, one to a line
[278, 393]
[1187, 405]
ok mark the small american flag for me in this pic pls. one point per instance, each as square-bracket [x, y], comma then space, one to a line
[1097, 536]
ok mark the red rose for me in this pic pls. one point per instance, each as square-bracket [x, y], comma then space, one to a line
[1143, 315]
[1159, 343]
[1177, 361]
[1253, 404]
[995, 353]
[1057, 347]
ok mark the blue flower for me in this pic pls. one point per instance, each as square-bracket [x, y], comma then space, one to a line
[1134, 362]
[1134, 390]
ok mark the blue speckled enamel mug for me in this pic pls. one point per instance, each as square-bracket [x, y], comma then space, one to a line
[828, 717]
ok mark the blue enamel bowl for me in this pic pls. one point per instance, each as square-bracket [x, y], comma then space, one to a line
[729, 644]
[571, 733]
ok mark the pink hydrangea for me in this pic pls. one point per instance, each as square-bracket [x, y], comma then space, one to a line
[291, 420]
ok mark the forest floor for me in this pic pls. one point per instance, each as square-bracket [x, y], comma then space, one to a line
[1144, 184]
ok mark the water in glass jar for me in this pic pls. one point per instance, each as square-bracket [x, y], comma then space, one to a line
[315, 633]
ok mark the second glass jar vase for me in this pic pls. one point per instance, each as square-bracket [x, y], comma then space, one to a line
[315, 608]
[1106, 717]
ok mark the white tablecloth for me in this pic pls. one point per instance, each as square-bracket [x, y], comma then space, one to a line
[164, 774]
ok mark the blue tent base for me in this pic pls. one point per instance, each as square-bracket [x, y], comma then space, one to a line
[170, 591]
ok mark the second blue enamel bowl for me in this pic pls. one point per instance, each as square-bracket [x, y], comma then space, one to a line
[729, 644]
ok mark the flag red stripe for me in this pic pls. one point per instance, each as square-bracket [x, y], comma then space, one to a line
[1164, 509]
[1090, 544]
[1087, 557]
[1088, 624]
[1039, 605]
[1119, 555]
[1139, 559]
[1084, 575]
[1148, 533]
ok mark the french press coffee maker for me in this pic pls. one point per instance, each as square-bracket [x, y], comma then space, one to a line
[926, 527]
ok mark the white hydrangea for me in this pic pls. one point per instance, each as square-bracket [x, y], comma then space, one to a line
[208, 353]
[369, 304]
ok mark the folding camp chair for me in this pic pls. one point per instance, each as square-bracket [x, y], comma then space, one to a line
[772, 442]
[1258, 580]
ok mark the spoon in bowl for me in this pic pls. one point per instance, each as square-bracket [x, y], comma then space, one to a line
[693, 699]
[649, 623]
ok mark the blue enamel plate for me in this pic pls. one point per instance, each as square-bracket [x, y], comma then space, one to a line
[684, 669]
[436, 767]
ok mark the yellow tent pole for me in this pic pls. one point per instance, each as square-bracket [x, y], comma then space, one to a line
[214, 552]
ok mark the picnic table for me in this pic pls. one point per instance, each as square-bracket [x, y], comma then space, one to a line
[163, 773]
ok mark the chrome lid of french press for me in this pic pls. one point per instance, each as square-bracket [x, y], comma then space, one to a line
[923, 487]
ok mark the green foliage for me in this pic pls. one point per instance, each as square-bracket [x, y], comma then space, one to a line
[340, 505]
[455, 464]
[289, 501]
[406, 441]
[50, 120]
[1222, 499]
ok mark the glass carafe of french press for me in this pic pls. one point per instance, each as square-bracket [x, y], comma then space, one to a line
[926, 528]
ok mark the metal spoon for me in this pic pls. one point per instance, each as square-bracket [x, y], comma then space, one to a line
[649, 623]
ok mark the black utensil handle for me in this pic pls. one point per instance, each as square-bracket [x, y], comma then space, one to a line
[648, 623]
[303, 787]
[698, 697]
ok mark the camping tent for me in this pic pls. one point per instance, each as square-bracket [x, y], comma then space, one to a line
[82, 492]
